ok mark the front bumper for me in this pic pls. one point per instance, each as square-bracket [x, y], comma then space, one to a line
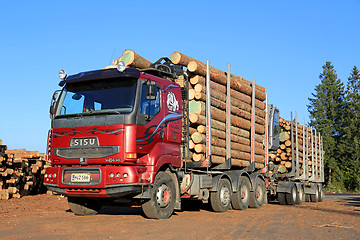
[136, 184]
[135, 191]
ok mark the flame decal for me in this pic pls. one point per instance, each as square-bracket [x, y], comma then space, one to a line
[149, 137]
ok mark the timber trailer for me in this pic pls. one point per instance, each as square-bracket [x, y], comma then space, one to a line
[123, 133]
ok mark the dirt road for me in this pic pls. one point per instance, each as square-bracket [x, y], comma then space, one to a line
[48, 217]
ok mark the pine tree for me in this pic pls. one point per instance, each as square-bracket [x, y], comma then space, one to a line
[350, 145]
[326, 109]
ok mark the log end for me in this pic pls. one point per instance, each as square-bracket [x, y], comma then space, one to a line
[175, 57]
[127, 57]
[192, 66]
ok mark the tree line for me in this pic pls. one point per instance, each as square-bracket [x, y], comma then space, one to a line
[334, 110]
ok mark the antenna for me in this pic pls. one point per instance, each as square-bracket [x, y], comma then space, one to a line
[112, 56]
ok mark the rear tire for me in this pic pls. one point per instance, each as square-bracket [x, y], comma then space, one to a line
[292, 196]
[83, 206]
[163, 196]
[221, 199]
[315, 197]
[282, 198]
[240, 200]
[257, 197]
[300, 196]
[321, 193]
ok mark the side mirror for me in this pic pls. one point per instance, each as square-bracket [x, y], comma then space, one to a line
[150, 90]
[53, 100]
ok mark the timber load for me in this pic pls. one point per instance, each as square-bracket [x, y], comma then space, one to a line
[300, 152]
[247, 112]
[21, 172]
[241, 110]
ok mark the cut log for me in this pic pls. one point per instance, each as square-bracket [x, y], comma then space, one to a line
[218, 76]
[200, 108]
[132, 59]
[181, 59]
[221, 88]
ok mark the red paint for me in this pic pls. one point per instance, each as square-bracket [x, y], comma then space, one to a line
[162, 147]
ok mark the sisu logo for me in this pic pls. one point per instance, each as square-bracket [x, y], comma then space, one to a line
[172, 103]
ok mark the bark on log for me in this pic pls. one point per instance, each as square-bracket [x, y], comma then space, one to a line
[197, 79]
[200, 119]
[132, 59]
[200, 68]
[235, 108]
[200, 108]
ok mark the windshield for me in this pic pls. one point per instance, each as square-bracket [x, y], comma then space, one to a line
[94, 97]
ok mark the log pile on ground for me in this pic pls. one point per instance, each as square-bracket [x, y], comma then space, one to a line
[241, 100]
[307, 147]
[21, 172]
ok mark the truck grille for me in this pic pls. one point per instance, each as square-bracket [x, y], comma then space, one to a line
[97, 152]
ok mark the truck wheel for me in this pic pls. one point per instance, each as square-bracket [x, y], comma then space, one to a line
[321, 194]
[282, 198]
[83, 206]
[221, 199]
[315, 197]
[257, 197]
[300, 196]
[240, 200]
[292, 196]
[163, 196]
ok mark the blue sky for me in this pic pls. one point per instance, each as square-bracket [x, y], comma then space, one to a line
[282, 44]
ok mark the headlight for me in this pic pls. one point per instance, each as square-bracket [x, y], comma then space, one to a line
[62, 74]
[111, 175]
[54, 175]
[118, 175]
[125, 175]
[121, 66]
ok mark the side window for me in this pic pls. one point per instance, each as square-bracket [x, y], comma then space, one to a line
[155, 105]
[276, 126]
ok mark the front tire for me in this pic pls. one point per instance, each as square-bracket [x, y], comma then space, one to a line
[162, 202]
[240, 200]
[83, 206]
[221, 199]
[257, 197]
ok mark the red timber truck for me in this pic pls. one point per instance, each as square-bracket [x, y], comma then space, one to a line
[127, 132]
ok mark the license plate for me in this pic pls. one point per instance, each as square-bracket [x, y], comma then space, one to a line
[80, 177]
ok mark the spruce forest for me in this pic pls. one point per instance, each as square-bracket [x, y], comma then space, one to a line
[334, 110]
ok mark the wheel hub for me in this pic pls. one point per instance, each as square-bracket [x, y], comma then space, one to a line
[224, 195]
[163, 196]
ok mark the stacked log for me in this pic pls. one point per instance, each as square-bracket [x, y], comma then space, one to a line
[21, 173]
[305, 153]
[241, 114]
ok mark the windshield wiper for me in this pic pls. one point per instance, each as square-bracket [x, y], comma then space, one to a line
[88, 113]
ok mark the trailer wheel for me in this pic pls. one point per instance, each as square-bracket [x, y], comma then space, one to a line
[292, 196]
[257, 197]
[282, 198]
[315, 197]
[321, 194]
[163, 196]
[300, 196]
[240, 200]
[83, 206]
[221, 199]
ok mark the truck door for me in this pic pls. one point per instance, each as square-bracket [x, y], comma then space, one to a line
[152, 131]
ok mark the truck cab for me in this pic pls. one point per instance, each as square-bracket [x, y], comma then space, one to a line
[111, 132]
